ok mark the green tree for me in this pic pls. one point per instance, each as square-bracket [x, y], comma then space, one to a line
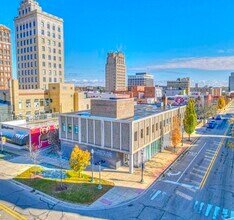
[176, 133]
[221, 103]
[190, 118]
[79, 160]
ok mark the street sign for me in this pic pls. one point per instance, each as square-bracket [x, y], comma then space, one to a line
[3, 140]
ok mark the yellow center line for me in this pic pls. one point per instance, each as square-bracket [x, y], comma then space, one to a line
[207, 173]
[12, 212]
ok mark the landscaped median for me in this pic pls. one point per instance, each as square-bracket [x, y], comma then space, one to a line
[71, 188]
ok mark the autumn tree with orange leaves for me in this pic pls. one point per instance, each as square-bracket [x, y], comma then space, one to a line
[176, 133]
[79, 160]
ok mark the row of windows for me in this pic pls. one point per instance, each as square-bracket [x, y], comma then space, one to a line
[50, 42]
[51, 80]
[28, 79]
[26, 34]
[5, 74]
[5, 57]
[49, 26]
[49, 57]
[5, 63]
[27, 50]
[5, 51]
[50, 72]
[26, 11]
[26, 42]
[69, 128]
[49, 34]
[5, 68]
[154, 128]
[50, 65]
[27, 72]
[36, 103]
[7, 40]
[27, 57]
[50, 50]
[27, 65]
[4, 34]
[28, 87]
[4, 46]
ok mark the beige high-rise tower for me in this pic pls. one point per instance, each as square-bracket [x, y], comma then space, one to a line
[115, 72]
[40, 47]
[5, 57]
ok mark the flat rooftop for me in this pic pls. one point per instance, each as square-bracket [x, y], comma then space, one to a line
[140, 111]
[34, 124]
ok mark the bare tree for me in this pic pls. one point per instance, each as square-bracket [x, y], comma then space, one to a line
[34, 154]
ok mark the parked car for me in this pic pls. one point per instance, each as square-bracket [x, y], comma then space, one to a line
[218, 117]
[211, 124]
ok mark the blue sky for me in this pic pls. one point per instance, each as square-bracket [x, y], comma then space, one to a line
[168, 38]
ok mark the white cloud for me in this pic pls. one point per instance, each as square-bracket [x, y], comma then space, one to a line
[202, 63]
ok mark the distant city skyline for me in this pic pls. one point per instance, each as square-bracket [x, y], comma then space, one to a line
[169, 39]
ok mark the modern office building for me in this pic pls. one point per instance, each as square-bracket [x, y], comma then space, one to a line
[39, 47]
[141, 79]
[5, 57]
[180, 83]
[231, 82]
[115, 72]
[120, 132]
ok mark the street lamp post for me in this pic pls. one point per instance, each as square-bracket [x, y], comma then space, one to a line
[1, 142]
[182, 140]
[142, 166]
[99, 168]
[92, 152]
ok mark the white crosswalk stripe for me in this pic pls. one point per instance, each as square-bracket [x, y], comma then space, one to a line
[212, 211]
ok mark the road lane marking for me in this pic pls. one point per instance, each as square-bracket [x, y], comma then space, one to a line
[199, 170]
[192, 181]
[191, 162]
[197, 175]
[213, 160]
[12, 212]
[155, 195]
[181, 184]
[208, 209]
[183, 195]
[174, 174]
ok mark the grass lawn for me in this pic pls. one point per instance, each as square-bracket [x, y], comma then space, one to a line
[79, 190]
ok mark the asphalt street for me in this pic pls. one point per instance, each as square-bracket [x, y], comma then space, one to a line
[200, 185]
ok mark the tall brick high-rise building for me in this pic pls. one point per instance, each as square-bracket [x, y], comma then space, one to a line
[5, 57]
[39, 47]
[115, 72]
